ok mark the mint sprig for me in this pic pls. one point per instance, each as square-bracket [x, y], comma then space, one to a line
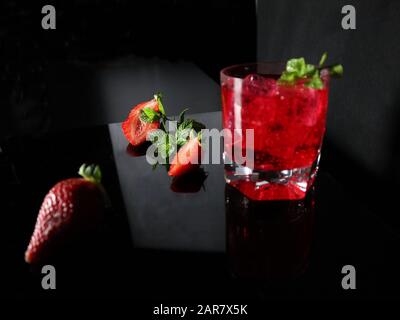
[297, 69]
[186, 128]
[169, 142]
[165, 143]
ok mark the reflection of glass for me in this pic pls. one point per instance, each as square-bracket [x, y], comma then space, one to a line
[268, 239]
[288, 123]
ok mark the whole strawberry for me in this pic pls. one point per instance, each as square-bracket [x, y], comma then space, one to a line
[71, 207]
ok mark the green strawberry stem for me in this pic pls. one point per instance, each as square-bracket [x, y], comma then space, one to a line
[93, 174]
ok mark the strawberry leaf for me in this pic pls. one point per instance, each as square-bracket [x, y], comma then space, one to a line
[90, 172]
[97, 173]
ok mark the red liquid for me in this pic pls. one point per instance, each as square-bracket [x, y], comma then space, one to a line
[288, 122]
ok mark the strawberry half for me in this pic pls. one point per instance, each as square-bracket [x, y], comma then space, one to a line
[134, 128]
[71, 207]
[187, 158]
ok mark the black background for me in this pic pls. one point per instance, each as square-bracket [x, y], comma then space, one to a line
[363, 121]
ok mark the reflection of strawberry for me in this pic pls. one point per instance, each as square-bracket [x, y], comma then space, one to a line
[138, 151]
[138, 125]
[71, 207]
[190, 182]
[187, 158]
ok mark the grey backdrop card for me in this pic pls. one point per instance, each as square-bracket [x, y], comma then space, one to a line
[163, 219]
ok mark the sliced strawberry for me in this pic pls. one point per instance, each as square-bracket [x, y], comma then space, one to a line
[187, 158]
[136, 130]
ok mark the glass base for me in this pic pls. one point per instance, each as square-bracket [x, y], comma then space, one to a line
[290, 184]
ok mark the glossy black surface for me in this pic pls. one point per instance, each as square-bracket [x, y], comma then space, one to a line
[160, 244]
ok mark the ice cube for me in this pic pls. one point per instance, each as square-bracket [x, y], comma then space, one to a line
[255, 84]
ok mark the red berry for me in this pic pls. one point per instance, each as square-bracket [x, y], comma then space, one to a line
[136, 130]
[71, 207]
[187, 158]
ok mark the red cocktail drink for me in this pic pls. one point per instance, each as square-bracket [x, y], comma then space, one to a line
[288, 123]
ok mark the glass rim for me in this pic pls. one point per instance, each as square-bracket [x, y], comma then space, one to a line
[228, 71]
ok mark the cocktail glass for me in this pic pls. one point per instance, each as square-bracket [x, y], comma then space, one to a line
[288, 125]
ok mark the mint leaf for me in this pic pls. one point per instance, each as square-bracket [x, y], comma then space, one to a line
[336, 71]
[298, 69]
[181, 136]
[197, 126]
[186, 127]
[182, 116]
[156, 136]
[310, 69]
[149, 115]
[315, 81]
[186, 124]
[165, 143]
[166, 146]
[297, 66]
[323, 59]
[191, 124]
[287, 77]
